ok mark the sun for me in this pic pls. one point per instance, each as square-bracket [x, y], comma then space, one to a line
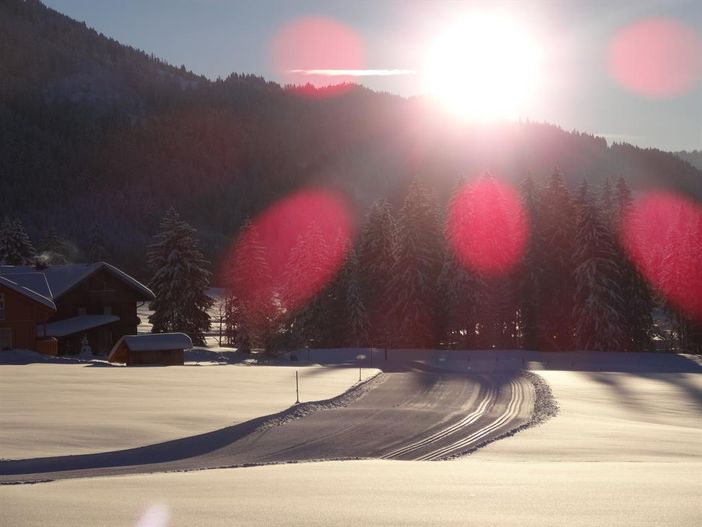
[485, 67]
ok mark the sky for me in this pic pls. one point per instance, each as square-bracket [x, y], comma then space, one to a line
[630, 71]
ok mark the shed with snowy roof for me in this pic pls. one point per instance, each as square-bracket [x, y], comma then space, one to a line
[164, 349]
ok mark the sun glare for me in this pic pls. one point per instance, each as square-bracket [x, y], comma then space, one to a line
[485, 67]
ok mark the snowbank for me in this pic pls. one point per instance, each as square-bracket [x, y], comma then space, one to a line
[58, 409]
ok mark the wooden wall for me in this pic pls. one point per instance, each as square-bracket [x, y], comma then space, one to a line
[22, 316]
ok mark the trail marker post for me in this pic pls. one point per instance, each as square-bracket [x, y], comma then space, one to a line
[297, 388]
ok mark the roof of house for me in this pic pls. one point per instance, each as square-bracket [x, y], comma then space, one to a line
[62, 278]
[70, 326]
[29, 293]
[152, 342]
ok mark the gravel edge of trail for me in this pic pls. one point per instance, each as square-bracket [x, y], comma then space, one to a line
[545, 407]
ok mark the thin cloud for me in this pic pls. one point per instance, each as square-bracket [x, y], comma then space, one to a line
[354, 73]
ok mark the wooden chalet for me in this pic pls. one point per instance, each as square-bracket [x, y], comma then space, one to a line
[97, 302]
[164, 349]
[21, 310]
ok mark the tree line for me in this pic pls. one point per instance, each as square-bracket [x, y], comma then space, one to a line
[402, 284]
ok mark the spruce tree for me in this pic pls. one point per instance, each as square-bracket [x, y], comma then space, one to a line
[599, 324]
[179, 280]
[530, 272]
[55, 250]
[358, 318]
[459, 290]
[15, 246]
[639, 301]
[376, 265]
[251, 291]
[304, 287]
[417, 264]
[556, 231]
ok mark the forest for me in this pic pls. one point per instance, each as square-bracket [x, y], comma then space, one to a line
[98, 140]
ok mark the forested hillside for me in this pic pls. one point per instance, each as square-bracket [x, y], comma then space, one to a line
[98, 139]
[694, 158]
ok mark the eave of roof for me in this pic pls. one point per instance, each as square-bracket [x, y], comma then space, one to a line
[73, 325]
[28, 293]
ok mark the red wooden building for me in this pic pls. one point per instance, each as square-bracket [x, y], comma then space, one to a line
[96, 301]
[21, 310]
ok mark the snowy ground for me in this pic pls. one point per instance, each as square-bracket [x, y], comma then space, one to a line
[56, 409]
[626, 449]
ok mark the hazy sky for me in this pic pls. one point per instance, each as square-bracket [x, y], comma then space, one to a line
[576, 87]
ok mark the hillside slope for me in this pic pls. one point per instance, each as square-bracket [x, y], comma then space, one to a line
[98, 138]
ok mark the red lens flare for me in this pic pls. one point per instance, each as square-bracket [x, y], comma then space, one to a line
[663, 236]
[315, 51]
[290, 252]
[487, 227]
[656, 57]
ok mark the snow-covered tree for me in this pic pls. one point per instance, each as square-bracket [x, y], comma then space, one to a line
[556, 231]
[55, 250]
[376, 265]
[459, 290]
[15, 246]
[357, 316]
[530, 271]
[598, 303]
[639, 302]
[418, 257]
[179, 280]
[251, 292]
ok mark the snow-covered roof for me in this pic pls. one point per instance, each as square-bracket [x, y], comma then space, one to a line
[70, 326]
[63, 278]
[29, 293]
[153, 342]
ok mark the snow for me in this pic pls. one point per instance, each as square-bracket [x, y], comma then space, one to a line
[625, 449]
[70, 408]
[62, 278]
[69, 326]
[156, 341]
[14, 286]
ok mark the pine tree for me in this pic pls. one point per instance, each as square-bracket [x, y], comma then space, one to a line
[460, 290]
[304, 287]
[556, 230]
[96, 246]
[15, 246]
[55, 250]
[358, 318]
[376, 265]
[251, 292]
[599, 324]
[639, 301]
[418, 258]
[530, 272]
[179, 280]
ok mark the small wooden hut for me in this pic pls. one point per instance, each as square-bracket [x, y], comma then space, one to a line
[164, 349]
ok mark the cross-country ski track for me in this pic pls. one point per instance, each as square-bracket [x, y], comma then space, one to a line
[409, 415]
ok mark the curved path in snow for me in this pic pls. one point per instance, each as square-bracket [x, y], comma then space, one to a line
[410, 416]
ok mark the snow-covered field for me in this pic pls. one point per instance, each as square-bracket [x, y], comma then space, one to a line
[58, 409]
[626, 449]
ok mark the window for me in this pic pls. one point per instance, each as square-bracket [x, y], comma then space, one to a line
[2, 306]
[5, 338]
